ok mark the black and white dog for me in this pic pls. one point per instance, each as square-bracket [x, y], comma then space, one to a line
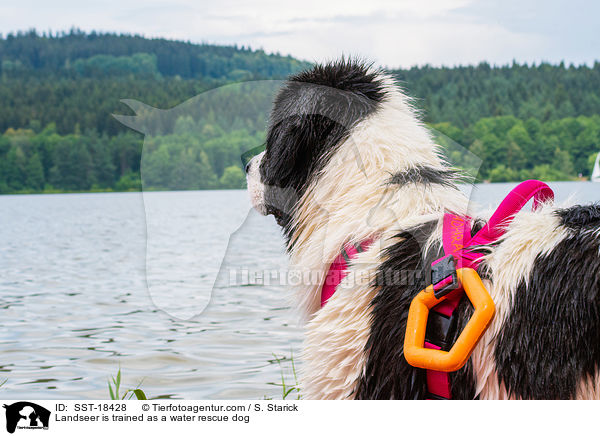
[347, 160]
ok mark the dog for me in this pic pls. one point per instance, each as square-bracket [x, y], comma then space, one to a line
[347, 160]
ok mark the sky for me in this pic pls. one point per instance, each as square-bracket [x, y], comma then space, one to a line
[391, 33]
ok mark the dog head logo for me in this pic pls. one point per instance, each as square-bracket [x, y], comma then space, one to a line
[26, 415]
[175, 158]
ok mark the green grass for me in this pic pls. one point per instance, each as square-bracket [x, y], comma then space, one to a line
[113, 390]
[287, 389]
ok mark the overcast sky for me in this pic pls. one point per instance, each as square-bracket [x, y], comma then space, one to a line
[391, 33]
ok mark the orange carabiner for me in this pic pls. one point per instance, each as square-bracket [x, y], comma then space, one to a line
[447, 361]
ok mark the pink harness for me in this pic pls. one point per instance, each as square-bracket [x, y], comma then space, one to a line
[337, 270]
[457, 244]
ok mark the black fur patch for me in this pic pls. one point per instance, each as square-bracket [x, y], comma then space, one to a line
[550, 339]
[387, 373]
[426, 175]
[311, 115]
[476, 225]
[580, 217]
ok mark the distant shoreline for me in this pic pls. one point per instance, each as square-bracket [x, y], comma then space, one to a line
[113, 191]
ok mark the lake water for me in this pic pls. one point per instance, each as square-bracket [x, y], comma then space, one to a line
[79, 297]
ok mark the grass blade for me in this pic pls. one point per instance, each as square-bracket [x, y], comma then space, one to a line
[114, 387]
[112, 394]
[139, 394]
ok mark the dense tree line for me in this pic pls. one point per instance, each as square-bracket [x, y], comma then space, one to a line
[76, 80]
[463, 95]
[60, 52]
[204, 155]
[49, 162]
[45, 160]
[509, 149]
[30, 100]
[57, 94]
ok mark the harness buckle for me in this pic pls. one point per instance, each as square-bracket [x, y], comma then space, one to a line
[447, 361]
[441, 328]
[443, 276]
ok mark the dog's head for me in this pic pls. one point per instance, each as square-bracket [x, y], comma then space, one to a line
[312, 115]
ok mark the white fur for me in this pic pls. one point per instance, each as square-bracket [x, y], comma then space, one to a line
[256, 188]
[333, 351]
[589, 389]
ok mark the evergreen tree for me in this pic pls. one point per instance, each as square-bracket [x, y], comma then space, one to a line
[34, 173]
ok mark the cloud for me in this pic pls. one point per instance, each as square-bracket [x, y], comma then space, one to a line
[392, 33]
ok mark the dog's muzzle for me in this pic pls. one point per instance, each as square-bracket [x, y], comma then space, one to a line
[256, 189]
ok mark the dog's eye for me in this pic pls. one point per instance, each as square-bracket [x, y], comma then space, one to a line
[248, 155]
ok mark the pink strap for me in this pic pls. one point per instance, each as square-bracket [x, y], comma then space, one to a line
[337, 270]
[438, 382]
[510, 206]
[456, 235]
[513, 203]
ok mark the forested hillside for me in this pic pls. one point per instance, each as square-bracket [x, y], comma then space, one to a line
[540, 121]
[99, 53]
[57, 94]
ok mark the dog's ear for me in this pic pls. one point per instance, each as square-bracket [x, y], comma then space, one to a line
[298, 146]
[312, 114]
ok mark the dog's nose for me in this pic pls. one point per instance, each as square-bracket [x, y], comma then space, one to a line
[247, 168]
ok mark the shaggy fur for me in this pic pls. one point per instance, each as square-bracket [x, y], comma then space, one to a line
[347, 159]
